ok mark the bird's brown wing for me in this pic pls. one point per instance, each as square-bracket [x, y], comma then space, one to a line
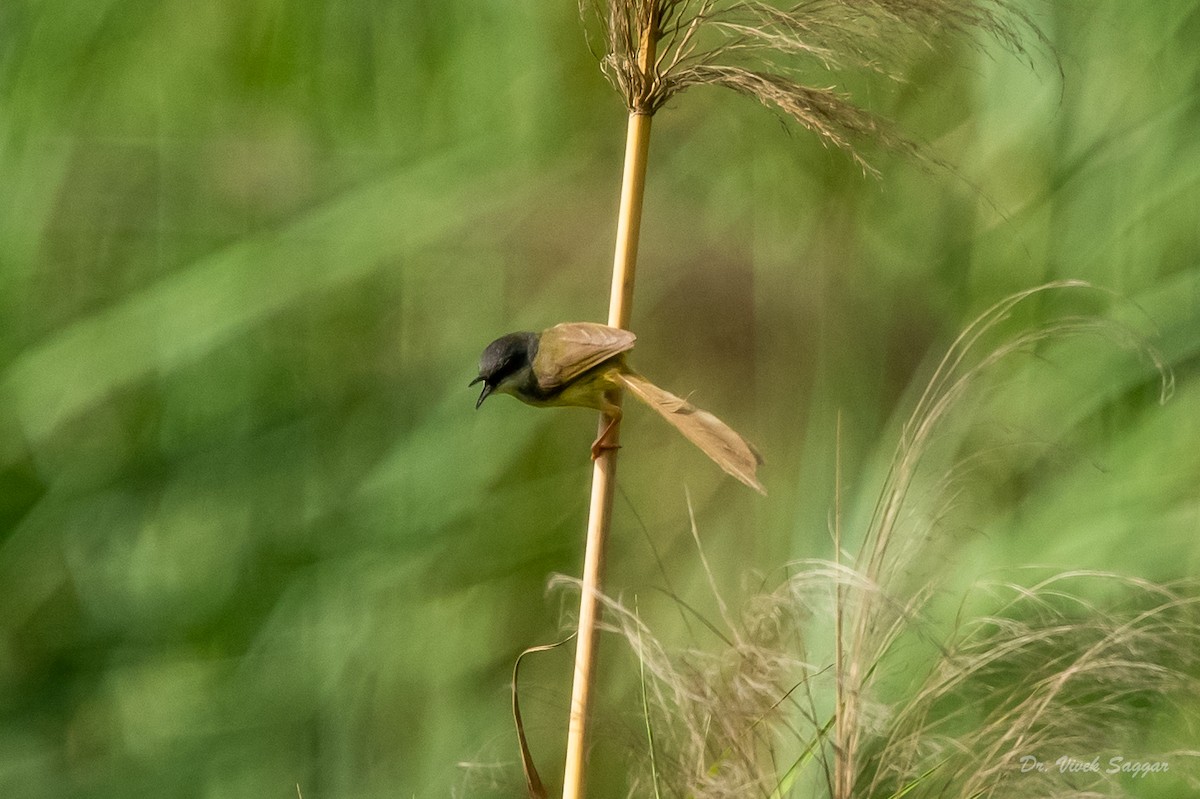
[568, 350]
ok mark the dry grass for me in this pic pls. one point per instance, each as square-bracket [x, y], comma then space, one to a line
[1047, 674]
[800, 696]
[790, 58]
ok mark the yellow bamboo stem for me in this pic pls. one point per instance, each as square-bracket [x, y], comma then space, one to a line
[629, 220]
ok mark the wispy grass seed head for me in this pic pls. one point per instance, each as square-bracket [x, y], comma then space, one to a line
[1047, 673]
[792, 58]
[783, 705]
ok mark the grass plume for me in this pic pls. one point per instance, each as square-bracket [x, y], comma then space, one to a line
[1046, 673]
[1070, 664]
[793, 58]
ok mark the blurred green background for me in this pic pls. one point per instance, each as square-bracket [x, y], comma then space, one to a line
[253, 534]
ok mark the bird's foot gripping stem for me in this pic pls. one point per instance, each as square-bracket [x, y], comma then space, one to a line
[602, 444]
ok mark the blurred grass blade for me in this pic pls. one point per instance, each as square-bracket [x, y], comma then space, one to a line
[646, 707]
[916, 783]
[199, 307]
[788, 780]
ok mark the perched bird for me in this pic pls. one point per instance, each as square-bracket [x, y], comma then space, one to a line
[577, 363]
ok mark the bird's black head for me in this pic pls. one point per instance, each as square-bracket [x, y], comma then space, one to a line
[503, 358]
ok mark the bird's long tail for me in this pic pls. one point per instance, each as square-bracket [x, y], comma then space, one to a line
[718, 440]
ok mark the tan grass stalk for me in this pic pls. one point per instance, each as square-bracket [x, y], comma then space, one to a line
[842, 776]
[629, 222]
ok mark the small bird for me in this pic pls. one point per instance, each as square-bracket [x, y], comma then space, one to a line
[578, 363]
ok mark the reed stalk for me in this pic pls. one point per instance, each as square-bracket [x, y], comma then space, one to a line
[604, 470]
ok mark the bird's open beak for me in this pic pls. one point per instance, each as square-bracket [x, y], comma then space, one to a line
[487, 389]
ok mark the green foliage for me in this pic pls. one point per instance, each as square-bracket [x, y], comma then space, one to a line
[253, 533]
